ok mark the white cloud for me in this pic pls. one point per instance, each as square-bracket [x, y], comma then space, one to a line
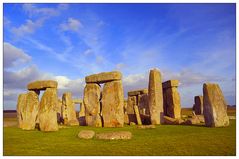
[71, 25]
[28, 28]
[34, 10]
[14, 56]
[42, 14]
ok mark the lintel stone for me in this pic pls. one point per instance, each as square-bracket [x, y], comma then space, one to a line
[103, 77]
[138, 92]
[42, 85]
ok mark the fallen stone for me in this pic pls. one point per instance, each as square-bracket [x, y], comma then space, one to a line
[200, 118]
[47, 113]
[191, 121]
[146, 126]
[214, 106]
[120, 135]
[155, 97]
[103, 77]
[172, 121]
[42, 85]
[170, 83]
[86, 134]
[112, 104]
[138, 92]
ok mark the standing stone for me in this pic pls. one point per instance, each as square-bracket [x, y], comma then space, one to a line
[29, 110]
[130, 109]
[155, 97]
[82, 115]
[92, 104]
[59, 111]
[47, 111]
[21, 104]
[214, 106]
[198, 106]
[144, 104]
[126, 118]
[136, 110]
[112, 104]
[172, 106]
[70, 106]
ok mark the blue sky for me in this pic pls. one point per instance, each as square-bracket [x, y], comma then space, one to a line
[194, 43]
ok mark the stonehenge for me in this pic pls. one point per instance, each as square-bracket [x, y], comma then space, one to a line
[214, 106]
[103, 104]
[172, 106]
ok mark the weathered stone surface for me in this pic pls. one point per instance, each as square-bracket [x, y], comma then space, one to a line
[82, 110]
[91, 102]
[170, 83]
[86, 134]
[126, 118]
[198, 106]
[138, 92]
[130, 105]
[59, 111]
[143, 101]
[69, 105]
[103, 77]
[146, 126]
[42, 85]
[136, 110]
[112, 104]
[200, 118]
[47, 112]
[172, 106]
[77, 101]
[214, 106]
[120, 135]
[21, 103]
[28, 107]
[172, 121]
[155, 97]
[130, 109]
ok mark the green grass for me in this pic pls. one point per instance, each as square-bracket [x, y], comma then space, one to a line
[165, 140]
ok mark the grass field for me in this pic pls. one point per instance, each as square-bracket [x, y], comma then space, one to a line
[165, 140]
